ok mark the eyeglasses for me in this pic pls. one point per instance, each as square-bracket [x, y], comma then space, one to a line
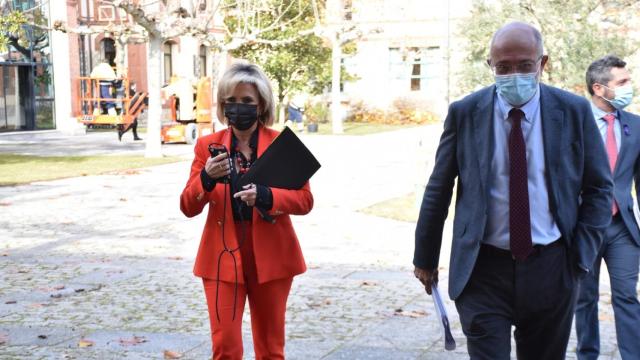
[525, 67]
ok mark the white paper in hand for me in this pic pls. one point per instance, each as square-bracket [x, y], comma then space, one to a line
[449, 342]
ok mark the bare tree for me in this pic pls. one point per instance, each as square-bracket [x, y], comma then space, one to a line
[338, 30]
[163, 20]
[223, 25]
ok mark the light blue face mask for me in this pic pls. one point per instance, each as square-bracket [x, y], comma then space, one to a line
[623, 97]
[517, 89]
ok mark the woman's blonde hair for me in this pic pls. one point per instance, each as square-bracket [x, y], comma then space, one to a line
[247, 73]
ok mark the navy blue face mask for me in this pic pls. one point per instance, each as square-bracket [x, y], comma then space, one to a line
[241, 116]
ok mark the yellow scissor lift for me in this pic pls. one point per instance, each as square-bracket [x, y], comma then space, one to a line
[91, 104]
[189, 120]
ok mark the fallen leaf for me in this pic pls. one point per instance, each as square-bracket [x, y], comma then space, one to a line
[83, 343]
[58, 287]
[4, 337]
[22, 271]
[135, 340]
[79, 290]
[175, 258]
[11, 302]
[36, 305]
[4, 203]
[123, 199]
[4, 254]
[605, 317]
[411, 314]
[56, 296]
[168, 354]
[42, 336]
[368, 283]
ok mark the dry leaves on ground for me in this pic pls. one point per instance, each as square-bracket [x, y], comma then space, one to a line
[411, 314]
[135, 340]
[168, 354]
[83, 343]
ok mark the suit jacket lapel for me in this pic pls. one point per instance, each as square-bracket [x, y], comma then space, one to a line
[624, 139]
[482, 118]
[553, 124]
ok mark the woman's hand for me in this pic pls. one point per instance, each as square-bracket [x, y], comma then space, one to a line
[218, 166]
[248, 195]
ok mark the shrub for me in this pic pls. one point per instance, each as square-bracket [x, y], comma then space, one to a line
[317, 112]
[403, 111]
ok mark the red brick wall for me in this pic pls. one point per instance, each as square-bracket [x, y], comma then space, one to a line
[137, 54]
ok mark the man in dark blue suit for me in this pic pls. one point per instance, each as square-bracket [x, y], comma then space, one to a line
[533, 200]
[609, 84]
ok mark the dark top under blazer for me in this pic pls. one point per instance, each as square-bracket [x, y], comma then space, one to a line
[578, 180]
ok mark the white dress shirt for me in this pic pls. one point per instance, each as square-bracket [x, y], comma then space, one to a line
[543, 228]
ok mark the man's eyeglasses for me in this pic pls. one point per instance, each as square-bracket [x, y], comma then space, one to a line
[525, 67]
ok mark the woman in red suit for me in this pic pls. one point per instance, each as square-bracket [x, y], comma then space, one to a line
[248, 247]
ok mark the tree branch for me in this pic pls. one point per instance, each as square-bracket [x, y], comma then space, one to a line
[139, 16]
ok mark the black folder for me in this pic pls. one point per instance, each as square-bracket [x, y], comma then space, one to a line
[285, 164]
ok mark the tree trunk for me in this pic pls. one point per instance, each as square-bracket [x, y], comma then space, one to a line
[154, 78]
[336, 55]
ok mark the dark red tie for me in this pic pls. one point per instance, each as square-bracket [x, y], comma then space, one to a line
[519, 214]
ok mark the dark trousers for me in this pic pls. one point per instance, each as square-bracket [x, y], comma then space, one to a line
[622, 256]
[537, 296]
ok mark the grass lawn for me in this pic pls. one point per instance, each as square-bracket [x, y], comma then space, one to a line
[401, 208]
[352, 128]
[23, 169]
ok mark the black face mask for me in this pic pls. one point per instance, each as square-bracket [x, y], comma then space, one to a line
[241, 116]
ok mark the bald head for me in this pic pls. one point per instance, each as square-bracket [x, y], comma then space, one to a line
[517, 48]
[517, 36]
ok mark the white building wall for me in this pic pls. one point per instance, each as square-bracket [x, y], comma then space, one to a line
[406, 25]
[65, 121]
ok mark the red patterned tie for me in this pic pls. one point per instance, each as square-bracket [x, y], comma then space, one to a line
[519, 214]
[612, 151]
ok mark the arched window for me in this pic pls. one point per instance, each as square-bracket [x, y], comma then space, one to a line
[168, 64]
[108, 48]
[203, 61]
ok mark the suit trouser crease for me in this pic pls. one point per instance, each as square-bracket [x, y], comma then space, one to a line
[267, 304]
[536, 296]
[622, 257]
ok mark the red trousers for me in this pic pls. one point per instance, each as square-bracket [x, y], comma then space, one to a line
[267, 304]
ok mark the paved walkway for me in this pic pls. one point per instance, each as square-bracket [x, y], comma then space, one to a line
[99, 267]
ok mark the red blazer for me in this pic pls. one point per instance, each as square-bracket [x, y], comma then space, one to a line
[276, 247]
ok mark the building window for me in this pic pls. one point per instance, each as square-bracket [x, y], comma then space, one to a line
[348, 10]
[413, 68]
[106, 13]
[168, 68]
[108, 47]
[203, 61]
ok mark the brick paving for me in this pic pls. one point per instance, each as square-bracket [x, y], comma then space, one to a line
[99, 267]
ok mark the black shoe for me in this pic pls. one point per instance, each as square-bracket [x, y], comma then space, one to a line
[120, 135]
[137, 138]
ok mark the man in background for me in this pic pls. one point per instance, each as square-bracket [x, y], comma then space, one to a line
[609, 84]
